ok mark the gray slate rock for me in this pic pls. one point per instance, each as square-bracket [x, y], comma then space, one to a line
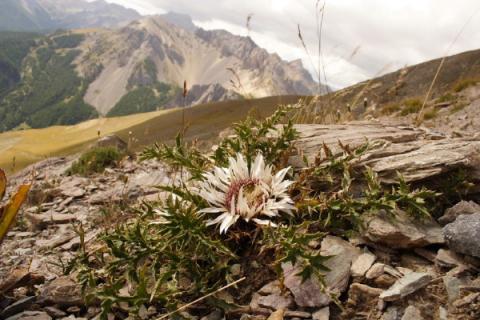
[412, 313]
[453, 285]
[362, 264]
[63, 292]
[463, 235]
[463, 207]
[410, 283]
[402, 232]
[16, 307]
[31, 315]
[309, 293]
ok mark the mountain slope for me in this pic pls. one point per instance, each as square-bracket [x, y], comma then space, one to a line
[411, 82]
[24, 15]
[73, 14]
[14, 47]
[68, 77]
[204, 123]
[50, 91]
[48, 15]
[203, 58]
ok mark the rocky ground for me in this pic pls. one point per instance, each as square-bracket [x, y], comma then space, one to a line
[398, 269]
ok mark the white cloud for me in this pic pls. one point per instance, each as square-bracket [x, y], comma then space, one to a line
[389, 34]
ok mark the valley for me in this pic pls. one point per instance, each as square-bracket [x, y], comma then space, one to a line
[204, 122]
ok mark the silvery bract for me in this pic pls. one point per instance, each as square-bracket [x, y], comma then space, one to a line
[251, 194]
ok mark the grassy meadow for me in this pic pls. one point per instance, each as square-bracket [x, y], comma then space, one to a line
[203, 122]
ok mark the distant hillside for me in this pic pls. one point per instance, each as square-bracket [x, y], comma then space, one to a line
[410, 82]
[71, 76]
[14, 47]
[24, 15]
[204, 122]
[50, 91]
[48, 15]
[150, 58]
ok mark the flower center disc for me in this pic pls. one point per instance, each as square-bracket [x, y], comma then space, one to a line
[251, 192]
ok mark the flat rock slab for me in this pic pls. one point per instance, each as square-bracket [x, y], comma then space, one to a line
[342, 256]
[308, 293]
[41, 221]
[63, 292]
[362, 264]
[403, 232]
[411, 151]
[410, 283]
[31, 315]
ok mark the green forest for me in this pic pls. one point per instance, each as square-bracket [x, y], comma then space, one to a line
[52, 94]
[144, 99]
[14, 47]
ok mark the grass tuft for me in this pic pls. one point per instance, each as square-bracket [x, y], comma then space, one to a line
[96, 161]
[411, 106]
[464, 84]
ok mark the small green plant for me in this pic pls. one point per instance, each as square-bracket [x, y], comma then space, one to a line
[411, 106]
[447, 97]
[459, 106]
[337, 203]
[464, 84]
[430, 114]
[390, 109]
[95, 161]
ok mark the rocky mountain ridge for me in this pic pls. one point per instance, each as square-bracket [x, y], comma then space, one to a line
[206, 59]
[69, 77]
[48, 15]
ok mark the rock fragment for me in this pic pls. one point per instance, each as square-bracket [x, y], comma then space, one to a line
[63, 292]
[463, 235]
[402, 232]
[322, 314]
[375, 271]
[410, 283]
[463, 207]
[362, 264]
[412, 313]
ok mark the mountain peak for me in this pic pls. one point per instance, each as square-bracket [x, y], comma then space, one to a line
[180, 20]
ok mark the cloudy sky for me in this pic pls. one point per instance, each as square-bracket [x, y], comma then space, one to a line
[361, 39]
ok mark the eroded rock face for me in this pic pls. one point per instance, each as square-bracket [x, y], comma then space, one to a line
[403, 232]
[463, 235]
[413, 152]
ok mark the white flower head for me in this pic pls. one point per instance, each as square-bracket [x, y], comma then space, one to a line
[238, 192]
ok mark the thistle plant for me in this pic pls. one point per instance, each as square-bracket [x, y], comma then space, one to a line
[242, 206]
[245, 191]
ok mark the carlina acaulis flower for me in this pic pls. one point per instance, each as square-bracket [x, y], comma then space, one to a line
[252, 193]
